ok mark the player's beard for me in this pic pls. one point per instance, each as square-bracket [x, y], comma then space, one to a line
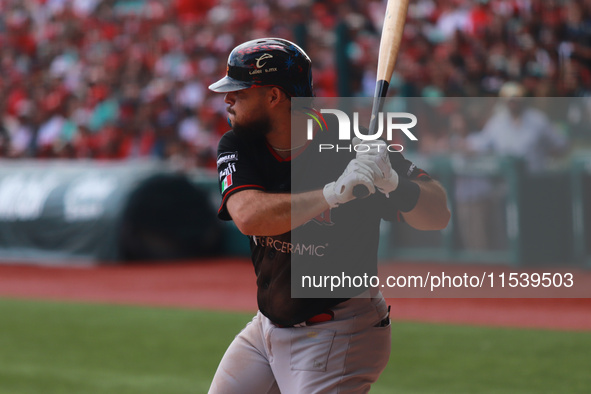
[254, 130]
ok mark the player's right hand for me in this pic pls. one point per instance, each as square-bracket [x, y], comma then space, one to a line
[377, 157]
[341, 191]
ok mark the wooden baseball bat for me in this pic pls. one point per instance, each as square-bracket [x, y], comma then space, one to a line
[389, 46]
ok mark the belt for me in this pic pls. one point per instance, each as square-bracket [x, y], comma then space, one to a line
[323, 317]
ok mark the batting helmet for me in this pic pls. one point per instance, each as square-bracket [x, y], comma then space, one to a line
[268, 62]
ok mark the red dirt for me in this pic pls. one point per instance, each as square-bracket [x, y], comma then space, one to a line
[220, 284]
[229, 284]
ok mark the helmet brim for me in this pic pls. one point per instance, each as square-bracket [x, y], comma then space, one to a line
[228, 84]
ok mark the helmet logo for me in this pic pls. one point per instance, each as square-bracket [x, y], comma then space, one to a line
[263, 57]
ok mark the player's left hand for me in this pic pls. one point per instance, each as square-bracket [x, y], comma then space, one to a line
[356, 173]
[385, 177]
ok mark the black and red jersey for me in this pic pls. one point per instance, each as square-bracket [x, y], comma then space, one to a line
[343, 240]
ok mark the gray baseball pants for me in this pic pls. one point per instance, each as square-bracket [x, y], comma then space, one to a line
[345, 355]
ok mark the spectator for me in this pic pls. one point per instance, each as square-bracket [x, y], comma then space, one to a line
[110, 55]
[478, 199]
[520, 131]
[20, 130]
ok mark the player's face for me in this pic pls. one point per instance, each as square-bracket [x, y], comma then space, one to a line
[247, 112]
[245, 105]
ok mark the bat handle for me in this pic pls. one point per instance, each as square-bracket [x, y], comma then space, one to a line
[360, 191]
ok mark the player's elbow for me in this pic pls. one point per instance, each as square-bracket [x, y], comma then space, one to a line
[432, 212]
[434, 221]
[440, 215]
[252, 222]
[442, 218]
[246, 223]
[252, 216]
[429, 217]
[243, 211]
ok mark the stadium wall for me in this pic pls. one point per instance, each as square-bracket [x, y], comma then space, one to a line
[86, 212]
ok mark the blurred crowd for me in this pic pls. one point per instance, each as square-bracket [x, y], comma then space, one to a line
[121, 79]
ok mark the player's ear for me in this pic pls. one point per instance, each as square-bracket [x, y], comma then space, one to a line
[276, 96]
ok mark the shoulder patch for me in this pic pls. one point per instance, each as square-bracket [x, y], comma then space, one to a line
[227, 157]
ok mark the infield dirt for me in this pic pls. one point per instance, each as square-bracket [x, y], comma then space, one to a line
[229, 284]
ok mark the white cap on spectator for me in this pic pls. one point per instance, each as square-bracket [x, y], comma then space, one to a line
[512, 89]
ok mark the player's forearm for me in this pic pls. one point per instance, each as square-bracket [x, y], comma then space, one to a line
[260, 213]
[431, 211]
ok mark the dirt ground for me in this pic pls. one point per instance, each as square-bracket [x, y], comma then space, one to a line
[229, 284]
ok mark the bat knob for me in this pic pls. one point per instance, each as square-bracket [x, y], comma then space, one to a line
[360, 191]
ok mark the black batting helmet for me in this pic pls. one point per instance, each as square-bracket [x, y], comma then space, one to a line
[268, 62]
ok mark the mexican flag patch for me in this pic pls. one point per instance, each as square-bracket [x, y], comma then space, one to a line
[227, 182]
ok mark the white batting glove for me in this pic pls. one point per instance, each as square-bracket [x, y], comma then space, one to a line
[385, 178]
[341, 191]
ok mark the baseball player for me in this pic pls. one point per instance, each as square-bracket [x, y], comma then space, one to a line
[321, 344]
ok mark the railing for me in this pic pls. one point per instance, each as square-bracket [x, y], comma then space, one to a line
[502, 214]
[581, 209]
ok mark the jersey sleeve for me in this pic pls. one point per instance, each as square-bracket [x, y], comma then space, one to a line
[236, 170]
[405, 169]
